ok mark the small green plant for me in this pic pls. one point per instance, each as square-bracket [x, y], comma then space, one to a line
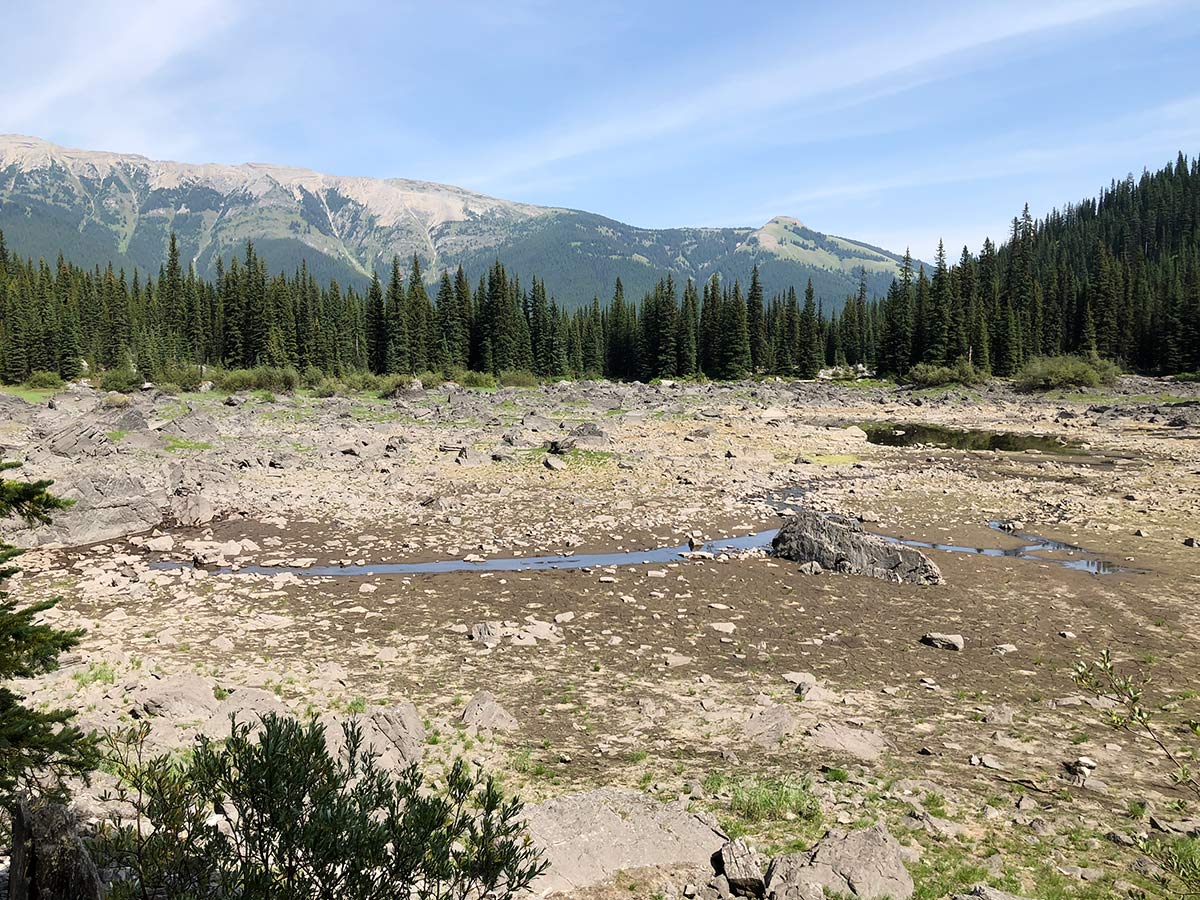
[96, 672]
[839, 775]
[1132, 713]
[176, 444]
[766, 800]
[295, 822]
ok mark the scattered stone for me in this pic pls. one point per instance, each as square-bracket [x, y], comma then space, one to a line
[943, 641]
[741, 867]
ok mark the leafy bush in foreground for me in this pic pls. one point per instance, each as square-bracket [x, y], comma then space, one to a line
[1049, 373]
[1133, 713]
[294, 822]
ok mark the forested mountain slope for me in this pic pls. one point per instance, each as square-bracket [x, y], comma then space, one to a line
[98, 207]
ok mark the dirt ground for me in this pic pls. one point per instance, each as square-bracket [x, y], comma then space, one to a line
[669, 677]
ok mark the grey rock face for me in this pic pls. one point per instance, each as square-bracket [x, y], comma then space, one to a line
[246, 705]
[485, 713]
[50, 860]
[741, 868]
[180, 697]
[943, 641]
[588, 837]
[79, 439]
[106, 506]
[866, 864]
[395, 735]
[842, 546]
[985, 892]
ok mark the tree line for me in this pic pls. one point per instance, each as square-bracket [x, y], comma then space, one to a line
[1116, 277]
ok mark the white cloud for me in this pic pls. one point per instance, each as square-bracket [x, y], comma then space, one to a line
[877, 67]
[99, 65]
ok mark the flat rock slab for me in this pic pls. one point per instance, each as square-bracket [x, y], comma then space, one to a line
[844, 740]
[867, 864]
[841, 545]
[589, 837]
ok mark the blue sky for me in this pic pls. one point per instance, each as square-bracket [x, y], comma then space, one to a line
[886, 122]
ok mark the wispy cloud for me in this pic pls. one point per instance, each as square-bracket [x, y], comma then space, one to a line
[106, 61]
[870, 69]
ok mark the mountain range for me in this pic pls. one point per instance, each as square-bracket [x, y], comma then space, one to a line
[96, 207]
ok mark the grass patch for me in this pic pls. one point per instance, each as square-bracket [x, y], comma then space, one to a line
[116, 436]
[96, 672]
[28, 394]
[756, 804]
[834, 459]
[176, 444]
[589, 457]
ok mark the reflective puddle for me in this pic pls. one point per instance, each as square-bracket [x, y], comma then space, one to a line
[907, 434]
[1080, 559]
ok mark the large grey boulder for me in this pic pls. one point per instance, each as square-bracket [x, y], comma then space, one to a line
[106, 505]
[78, 440]
[50, 860]
[181, 698]
[589, 837]
[246, 705]
[483, 712]
[841, 545]
[741, 867]
[987, 892]
[395, 735]
[867, 864]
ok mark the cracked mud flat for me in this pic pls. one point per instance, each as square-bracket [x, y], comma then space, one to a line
[667, 677]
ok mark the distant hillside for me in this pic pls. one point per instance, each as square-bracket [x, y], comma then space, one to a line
[98, 207]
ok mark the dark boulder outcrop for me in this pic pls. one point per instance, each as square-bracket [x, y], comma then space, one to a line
[841, 545]
[50, 860]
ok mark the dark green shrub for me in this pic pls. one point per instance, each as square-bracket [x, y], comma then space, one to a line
[38, 746]
[312, 376]
[122, 380]
[1050, 373]
[325, 388]
[44, 381]
[186, 376]
[469, 379]
[297, 822]
[962, 372]
[262, 378]
[518, 378]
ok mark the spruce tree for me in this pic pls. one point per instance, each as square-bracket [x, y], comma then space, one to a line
[37, 747]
